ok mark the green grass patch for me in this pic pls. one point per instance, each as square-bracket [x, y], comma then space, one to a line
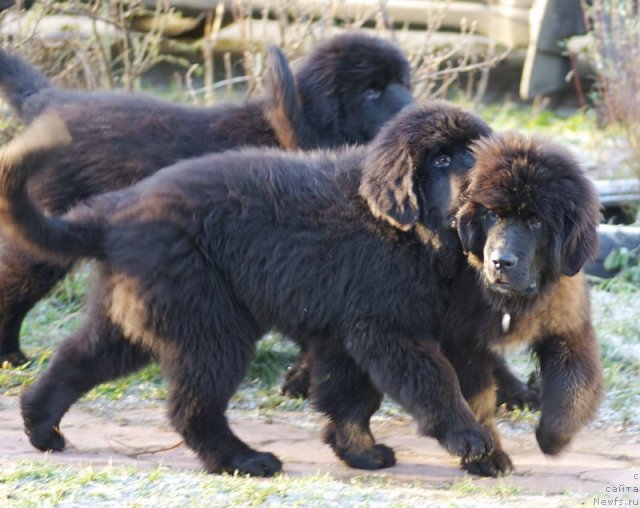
[534, 119]
[48, 323]
[474, 486]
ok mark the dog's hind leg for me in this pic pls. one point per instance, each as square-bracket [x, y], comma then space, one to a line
[96, 353]
[23, 282]
[205, 361]
[297, 380]
[512, 392]
[344, 392]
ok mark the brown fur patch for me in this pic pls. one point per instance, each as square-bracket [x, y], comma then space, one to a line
[565, 309]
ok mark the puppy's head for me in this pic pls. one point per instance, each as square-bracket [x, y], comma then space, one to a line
[530, 215]
[350, 85]
[416, 166]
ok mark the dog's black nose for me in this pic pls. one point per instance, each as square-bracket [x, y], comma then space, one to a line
[503, 260]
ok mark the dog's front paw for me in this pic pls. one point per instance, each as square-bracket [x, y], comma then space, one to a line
[43, 430]
[13, 359]
[497, 463]
[261, 464]
[551, 442]
[45, 437]
[470, 444]
[376, 457]
[520, 399]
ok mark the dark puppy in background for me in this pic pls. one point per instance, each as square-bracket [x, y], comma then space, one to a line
[342, 93]
[528, 223]
[352, 252]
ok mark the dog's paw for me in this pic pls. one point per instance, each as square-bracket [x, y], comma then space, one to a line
[470, 444]
[359, 454]
[497, 463]
[262, 464]
[42, 429]
[13, 359]
[377, 457]
[296, 382]
[550, 442]
[45, 437]
[521, 399]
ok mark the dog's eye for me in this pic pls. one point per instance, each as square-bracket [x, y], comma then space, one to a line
[372, 94]
[442, 161]
[491, 215]
[534, 223]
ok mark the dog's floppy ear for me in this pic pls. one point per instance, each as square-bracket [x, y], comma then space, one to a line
[470, 231]
[388, 181]
[283, 108]
[580, 245]
[580, 242]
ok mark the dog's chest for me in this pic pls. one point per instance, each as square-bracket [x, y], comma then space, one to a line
[511, 330]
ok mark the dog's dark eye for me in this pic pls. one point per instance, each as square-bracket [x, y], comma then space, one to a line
[442, 161]
[372, 94]
[491, 215]
[534, 223]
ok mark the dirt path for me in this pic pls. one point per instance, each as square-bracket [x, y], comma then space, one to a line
[598, 461]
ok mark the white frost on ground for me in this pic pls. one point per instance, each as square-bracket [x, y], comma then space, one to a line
[617, 321]
[128, 486]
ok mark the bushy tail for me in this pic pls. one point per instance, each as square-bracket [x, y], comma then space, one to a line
[21, 219]
[283, 104]
[19, 80]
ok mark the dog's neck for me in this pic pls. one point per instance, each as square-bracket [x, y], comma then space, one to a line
[445, 244]
[509, 310]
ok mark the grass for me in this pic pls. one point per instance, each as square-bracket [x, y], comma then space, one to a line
[502, 489]
[619, 335]
[43, 483]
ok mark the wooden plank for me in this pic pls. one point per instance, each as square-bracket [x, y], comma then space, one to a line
[618, 192]
[507, 21]
[268, 32]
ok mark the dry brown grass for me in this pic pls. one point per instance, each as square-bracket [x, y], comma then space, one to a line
[437, 68]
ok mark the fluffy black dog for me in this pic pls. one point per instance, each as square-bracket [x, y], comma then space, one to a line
[342, 93]
[197, 262]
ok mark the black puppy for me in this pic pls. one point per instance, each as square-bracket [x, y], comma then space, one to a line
[349, 251]
[342, 93]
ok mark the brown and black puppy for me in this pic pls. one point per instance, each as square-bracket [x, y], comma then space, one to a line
[528, 223]
[341, 94]
[350, 251]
